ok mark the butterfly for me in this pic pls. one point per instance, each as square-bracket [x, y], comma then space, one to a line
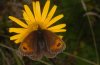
[41, 43]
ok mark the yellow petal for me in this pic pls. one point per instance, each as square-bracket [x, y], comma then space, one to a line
[55, 19]
[17, 41]
[17, 36]
[50, 15]
[38, 12]
[34, 9]
[58, 30]
[16, 30]
[60, 26]
[26, 17]
[20, 39]
[29, 13]
[23, 36]
[61, 36]
[45, 10]
[18, 21]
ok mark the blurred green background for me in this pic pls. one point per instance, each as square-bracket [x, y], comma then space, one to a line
[82, 37]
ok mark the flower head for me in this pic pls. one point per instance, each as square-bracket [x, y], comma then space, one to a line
[36, 19]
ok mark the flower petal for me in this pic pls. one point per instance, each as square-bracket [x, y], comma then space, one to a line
[58, 30]
[57, 26]
[34, 8]
[17, 36]
[21, 38]
[17, 41]
[29, 13]
[16, 30]
[50, 15]
[38, 11]
[45, 10]
[61, 36]
[18, 21]
[55, 19]
[23, 35]
[26, 17]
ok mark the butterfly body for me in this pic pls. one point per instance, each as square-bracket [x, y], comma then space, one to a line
[41, 43]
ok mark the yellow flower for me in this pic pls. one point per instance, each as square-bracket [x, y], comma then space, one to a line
[43, 20]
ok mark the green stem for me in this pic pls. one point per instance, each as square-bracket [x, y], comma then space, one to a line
[92, 31]
[44, 62]
[4, 57]
[83, 59]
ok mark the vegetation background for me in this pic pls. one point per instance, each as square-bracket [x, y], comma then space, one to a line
[82, 38]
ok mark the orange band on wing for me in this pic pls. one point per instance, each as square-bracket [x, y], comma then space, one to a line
[26, 48]
[57, 45]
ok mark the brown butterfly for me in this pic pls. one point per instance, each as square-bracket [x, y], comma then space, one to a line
[41, 43]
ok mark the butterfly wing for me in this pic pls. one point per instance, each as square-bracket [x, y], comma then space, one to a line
[34, 47]
[29, 47]
[54, 44]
